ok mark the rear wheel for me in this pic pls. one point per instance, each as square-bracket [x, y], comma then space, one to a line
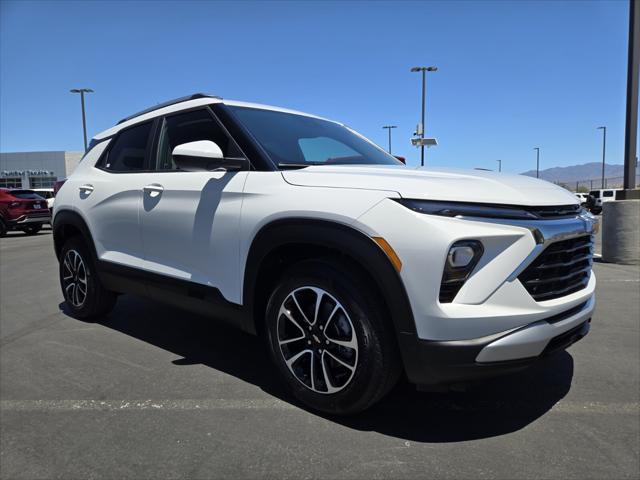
[32, 229]
[3, 228]
[83, 292]
[329, 339]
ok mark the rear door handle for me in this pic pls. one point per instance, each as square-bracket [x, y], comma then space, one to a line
[86, 188]
[153, 188]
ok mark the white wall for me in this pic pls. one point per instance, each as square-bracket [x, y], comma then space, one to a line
[60, 163]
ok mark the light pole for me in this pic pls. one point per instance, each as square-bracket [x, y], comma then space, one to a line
[82, 91]
[499, 165]
[537, 149]
[421, 130]
[389, 127]
[604, 147]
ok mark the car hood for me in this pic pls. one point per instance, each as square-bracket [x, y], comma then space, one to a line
[435, 184]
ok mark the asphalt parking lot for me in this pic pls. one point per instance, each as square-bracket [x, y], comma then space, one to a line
[152, 392]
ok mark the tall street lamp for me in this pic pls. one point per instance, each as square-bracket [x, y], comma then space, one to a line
[499, 165]
[389, 127]
[537, 149]
[82, 91]
[421, 127]
[604, 147]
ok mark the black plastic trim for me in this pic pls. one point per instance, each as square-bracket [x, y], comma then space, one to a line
[249, 146]
[168, 103]
[449, 362]
[340, 238]
[490, 210]
[65, 218]
[184, 294]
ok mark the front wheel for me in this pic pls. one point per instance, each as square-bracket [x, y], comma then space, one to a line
[83, 292]
[329, 338]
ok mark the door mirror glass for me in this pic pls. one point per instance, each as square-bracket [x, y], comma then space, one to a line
[204, 155]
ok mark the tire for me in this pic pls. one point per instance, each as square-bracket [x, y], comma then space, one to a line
[3, 228]
[75, 261]
[350, 311]
[32, 229]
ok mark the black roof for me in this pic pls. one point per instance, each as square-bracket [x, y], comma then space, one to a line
[170, 102]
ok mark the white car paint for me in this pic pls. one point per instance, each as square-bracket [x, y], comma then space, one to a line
[435, 184]
[199, 226]
[206, 147]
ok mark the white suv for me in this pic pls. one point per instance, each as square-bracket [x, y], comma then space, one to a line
[354, 267]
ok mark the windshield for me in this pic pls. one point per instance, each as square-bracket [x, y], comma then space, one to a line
[296, 140]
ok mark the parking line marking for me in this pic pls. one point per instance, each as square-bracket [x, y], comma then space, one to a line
[124, 405]
[615, 408]
[617, 280]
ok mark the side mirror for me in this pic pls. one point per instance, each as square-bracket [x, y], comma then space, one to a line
[402, 159]
[205, 156]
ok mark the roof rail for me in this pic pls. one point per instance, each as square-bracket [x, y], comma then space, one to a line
[170, 102]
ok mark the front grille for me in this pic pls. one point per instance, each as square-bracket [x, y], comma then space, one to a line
[560, 211]
[562, 268]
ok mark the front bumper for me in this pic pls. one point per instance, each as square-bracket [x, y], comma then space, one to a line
[461, 361]
[493, 325]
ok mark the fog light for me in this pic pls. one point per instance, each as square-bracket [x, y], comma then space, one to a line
[460, 256]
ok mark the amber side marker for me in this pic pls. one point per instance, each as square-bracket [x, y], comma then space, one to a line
[393, 256]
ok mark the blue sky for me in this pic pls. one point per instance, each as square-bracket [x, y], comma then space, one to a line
[512, 74]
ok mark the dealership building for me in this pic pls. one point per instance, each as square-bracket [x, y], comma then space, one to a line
[36, 169]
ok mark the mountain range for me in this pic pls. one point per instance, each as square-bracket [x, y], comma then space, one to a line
[576, 173]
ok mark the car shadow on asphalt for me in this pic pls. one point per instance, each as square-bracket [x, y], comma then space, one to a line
[492, 408]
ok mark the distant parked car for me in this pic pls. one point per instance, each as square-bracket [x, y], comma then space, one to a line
[47, 194]
[601, 196]
[22, 210]
[583, 197]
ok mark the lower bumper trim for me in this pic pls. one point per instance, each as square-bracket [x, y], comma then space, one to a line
[33, 219]
[440, 363]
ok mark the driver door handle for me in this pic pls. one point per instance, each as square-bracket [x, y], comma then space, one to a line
[153, 188]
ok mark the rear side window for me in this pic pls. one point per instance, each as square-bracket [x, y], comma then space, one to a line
[25, 194]
[191, 127]
[128, 152]
[607, 193]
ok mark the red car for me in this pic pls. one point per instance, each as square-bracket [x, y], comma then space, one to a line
[22, 210]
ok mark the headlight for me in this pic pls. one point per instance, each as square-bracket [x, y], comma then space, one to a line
[454, 209]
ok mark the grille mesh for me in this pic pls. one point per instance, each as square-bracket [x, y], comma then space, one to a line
[560, 211]
[561, 269]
